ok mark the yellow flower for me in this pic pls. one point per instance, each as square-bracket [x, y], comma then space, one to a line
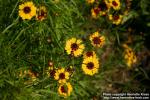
[104, 7]
[27, 10]
[50, 71]
[90, 66]
[97, 40]
[32, 75]
[115, 4]
[88, 54]
[129, 56]
[95, 12]
[74, 46]
[41, 13]
[65, 89]
[116, 19]
[61, 75]
[28, 75]
[101, 9]
[90, 1]
[22, 73]
[125, 46]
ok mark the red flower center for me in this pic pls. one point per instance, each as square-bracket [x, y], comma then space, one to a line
[42, 13]
[62, 76]
[63, 89]
[96, 40]
[89, 54]
[115, 17]
[115, 3]
[96, 11]
[102, 6]
[27, 10]
[90, 65]
[74, 46]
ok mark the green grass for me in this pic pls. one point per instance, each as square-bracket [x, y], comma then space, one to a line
[30, 44]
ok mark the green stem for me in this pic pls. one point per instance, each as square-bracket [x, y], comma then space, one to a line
[14, 9]
[7, 28]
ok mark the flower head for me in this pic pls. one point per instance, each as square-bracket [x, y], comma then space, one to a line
[41, 13]
[101, 9]
[115, 4]
[104, 7]
[129, 56]
[88, 54]
[28, 75]
[95, 12]
[74, 46]
[90, 66]
[27, 10]
[61, 75]
[97, 40]
[116, 19]
[65, 89]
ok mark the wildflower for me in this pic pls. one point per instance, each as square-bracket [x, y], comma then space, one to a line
[101, 9]
[29, 75]
[88, 54]
[50, 70]
[129, 56]
[115, 4]
[90, 1]
[90, 66]
[104, 7]
[27, 10]
[22, 73]
[32, 75]
[74, 46]
[41, 13]
[116, 19]
[97, 40]
[65, 89]
[61, 75]
[95, 12]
